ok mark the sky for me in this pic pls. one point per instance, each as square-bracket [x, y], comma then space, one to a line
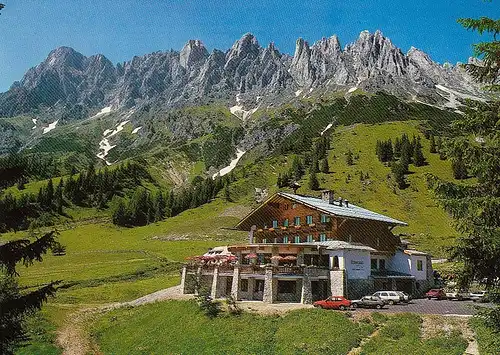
[120, 29]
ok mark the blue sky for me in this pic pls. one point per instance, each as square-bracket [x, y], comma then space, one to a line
[120, 29]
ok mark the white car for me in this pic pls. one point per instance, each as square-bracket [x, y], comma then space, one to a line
[389, 297]
[479, 296]
[458, 295]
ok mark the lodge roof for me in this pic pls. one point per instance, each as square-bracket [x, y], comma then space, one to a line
[351, 211]
[328, 245]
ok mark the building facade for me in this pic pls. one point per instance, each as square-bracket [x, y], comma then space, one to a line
[302, 249]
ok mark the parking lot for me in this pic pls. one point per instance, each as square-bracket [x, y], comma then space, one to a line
[443, 307]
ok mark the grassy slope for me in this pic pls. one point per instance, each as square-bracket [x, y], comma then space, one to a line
[181, 328]
[402, 335]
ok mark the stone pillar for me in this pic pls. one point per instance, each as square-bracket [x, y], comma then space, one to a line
[235, 286]
[337, 283]
[215, 283]
[183, 279]
[269, 294]
[306, 295]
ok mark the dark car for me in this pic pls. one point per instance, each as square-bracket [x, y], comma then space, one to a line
[368, 302]
[334, 302]
[437, 293]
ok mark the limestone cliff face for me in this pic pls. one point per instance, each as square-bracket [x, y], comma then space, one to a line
[72, 86]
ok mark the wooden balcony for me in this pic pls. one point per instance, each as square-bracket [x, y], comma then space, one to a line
[288, 270]
[252, 270]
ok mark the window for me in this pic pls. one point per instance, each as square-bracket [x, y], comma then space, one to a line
[244, 285]
[325, 218]
[322, 237]
[309, 219]
[285, 223]
[275, 240]
[336, 261]
[381, 264]
[374, 264]
[258, 286]
[297, 239]
[310, 238]
[296, 221]
[264, 240]
[287, 286]
[285, 239]
[275, 224]
[294, 205]
[420, 265]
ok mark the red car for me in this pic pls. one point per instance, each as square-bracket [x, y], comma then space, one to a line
[437, 293]
[333, 302]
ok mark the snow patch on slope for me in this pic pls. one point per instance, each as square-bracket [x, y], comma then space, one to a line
[231, 166]
[104, 111]
[352, 90]
[50, 127]
[34, 122]
[298, 92]
[136, 130]
[241, 113]
[105, 146]
[327, 128]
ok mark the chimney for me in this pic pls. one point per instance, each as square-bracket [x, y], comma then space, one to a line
[340, 201]
[327, 196]
[346, 202]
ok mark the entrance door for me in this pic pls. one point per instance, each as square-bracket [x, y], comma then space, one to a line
[229, 285]
[319, 290]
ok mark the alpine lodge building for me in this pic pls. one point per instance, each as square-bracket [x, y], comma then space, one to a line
[302, 249]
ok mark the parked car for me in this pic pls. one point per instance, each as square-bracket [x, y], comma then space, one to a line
[457, 295]
[436, 293]
[389, 297]
[479, 296]
[334, 302]
[368, 302]
[404, 296]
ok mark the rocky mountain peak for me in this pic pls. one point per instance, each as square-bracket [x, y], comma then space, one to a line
[193, 53]
[64, 56]
[68, 82]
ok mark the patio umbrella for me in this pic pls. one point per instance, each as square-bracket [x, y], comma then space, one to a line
[251, 256]
[290, 258]
[231, 258]
[276, 257]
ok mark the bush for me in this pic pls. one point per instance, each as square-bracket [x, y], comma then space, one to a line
[208, 305]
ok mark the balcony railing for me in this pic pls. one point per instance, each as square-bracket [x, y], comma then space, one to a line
[252, 269]
[288, 270]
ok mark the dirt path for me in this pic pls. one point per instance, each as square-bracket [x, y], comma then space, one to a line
[74, 338]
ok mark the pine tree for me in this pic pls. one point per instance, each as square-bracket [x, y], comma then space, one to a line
[398, 171]
[120, 214]
[432, 143]
[325, 168]
[313, 181]
[49, 194]
[315, 165]
[418, 156]
[59, 197]
[459, 168]
[159, 207]
[16, 305]
[227, 193]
